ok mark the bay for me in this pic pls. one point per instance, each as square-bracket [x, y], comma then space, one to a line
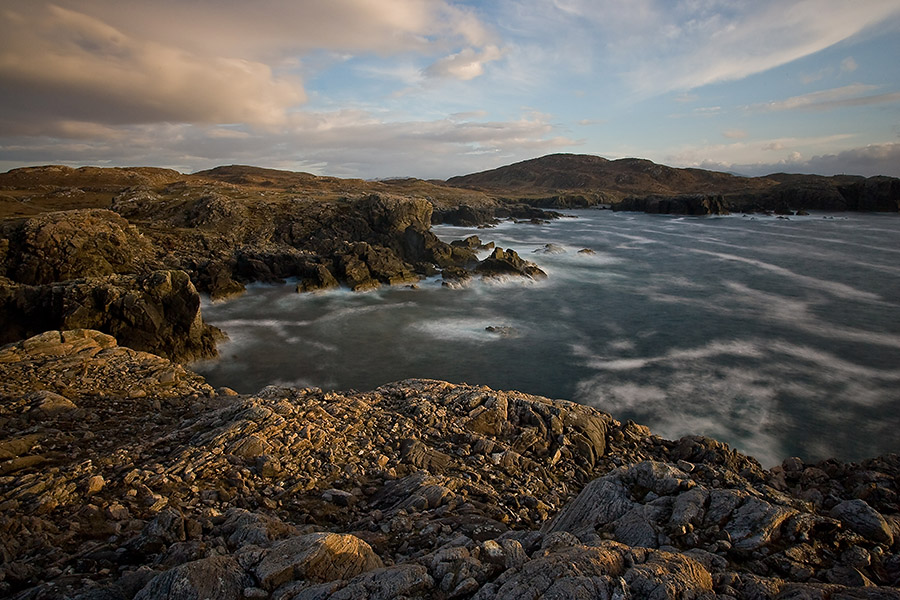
[780, 337]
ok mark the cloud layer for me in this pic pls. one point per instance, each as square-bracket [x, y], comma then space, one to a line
[371, 87]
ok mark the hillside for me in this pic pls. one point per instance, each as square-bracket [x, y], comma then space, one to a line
[615, 178]
[572, 180]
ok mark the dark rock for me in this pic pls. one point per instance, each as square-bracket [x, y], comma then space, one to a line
[683, 204]
[214, 577]
[75, 244]
[551, 249]
[864, 520]
[158, 312]
[507, 262]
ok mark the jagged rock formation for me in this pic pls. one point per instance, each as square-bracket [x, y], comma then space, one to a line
[93, 267]
[65, 245]
[125, 476]
[158, 312]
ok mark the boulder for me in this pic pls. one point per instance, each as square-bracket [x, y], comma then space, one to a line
[216, 577]
[315, 557]
[858, 516]
[573, 572]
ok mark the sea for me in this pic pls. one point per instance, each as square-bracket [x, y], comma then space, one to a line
[778, 336]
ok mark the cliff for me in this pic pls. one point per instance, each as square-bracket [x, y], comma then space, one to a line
[126, 476]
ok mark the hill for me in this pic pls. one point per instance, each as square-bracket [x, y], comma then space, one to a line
[572, 180]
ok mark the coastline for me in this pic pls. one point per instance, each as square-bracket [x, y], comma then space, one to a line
[420, 488]
[125, 475]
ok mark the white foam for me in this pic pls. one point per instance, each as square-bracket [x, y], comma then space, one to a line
[463, 329]
[834, 288]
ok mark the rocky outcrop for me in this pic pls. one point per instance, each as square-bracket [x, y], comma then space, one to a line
[682, 204]
[65, 245]
[158, 312]
[507, 262]
[486, 215]
[127, 476]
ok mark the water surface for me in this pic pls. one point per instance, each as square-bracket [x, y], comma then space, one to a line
[780, 337]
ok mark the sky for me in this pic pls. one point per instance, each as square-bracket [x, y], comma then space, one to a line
[436, 88]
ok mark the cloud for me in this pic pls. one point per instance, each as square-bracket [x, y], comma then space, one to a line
[868, 161]
[848, 65]
[682, 45]
[734, 134]
[65, 65]
[464, 65]
[344, 143]
[841, 97]
[686, 98]
[200, 62]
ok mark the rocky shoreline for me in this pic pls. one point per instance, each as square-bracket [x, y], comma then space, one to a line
[124, 475]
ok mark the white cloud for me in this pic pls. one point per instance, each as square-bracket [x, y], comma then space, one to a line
[682, 45]
[735, 134]
[848, 65]
[464, 65]
[848, 95]
[346, 143]
[65, 65]
[112, 62]
[870, 160]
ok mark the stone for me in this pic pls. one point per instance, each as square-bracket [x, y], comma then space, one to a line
[157, 312]
[214, 577]
[316, 557]
[756, 523]
[857, 515]
[665, 575]
[48, 404]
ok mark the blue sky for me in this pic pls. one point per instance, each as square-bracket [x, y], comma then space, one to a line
[435, 88]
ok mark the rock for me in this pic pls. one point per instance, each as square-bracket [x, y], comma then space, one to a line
[47, 404]
[683, 204]
[502, 330]
[76, 244]
[551, 249]
[575, 572]
[316, 557]
[447, 490]
[213, 577]
[507, 262]
[319, 280]
[756, 523]
[665, 575]
[857, 515]
[402, 581]
[601, 502]
[95, 484]
[158, 312]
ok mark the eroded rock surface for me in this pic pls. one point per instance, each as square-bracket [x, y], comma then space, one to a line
[157, 312]
[124, 475]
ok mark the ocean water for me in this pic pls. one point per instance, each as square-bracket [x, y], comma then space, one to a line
[780, 337]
